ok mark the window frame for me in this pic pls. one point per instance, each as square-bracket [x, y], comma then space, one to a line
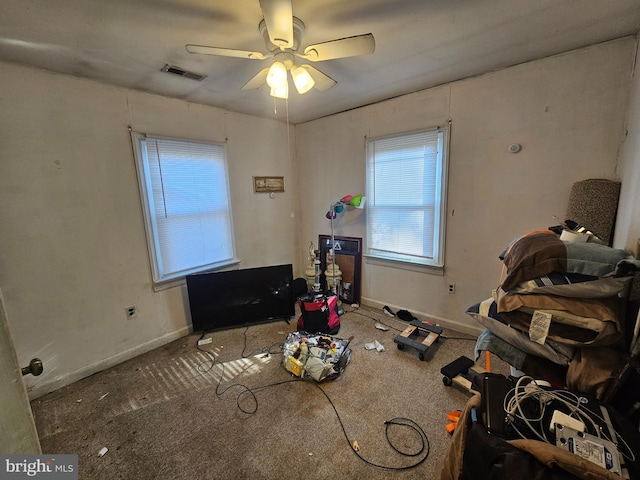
[161, 280]
[436, 264]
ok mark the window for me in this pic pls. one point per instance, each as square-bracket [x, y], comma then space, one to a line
[185, 196]
[406, 194]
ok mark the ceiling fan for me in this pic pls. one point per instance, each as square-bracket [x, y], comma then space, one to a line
[282, 33]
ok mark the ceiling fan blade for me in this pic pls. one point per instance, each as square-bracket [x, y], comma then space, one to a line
[278, 15]
[342, 48]
[257, 81]
[322, 82]
[225, 52]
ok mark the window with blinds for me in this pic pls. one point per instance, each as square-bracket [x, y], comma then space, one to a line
[406, 197]
[185, 195]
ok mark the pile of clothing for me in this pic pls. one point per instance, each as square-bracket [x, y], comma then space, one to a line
[557, 313]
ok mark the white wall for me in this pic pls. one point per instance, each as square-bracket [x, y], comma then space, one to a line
[628, 222]
[567, 112]
[73, 249]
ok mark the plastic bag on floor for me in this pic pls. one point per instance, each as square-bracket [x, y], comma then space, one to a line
[321, 357]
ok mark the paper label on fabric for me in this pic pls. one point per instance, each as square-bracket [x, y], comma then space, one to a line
[539, 328]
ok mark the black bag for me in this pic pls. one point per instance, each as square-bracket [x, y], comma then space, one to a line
[299, 287]
[319, 313]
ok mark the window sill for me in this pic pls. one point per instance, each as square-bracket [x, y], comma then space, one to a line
[182, 280]
[403, 265]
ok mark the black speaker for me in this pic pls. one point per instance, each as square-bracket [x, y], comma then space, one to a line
[494, 390]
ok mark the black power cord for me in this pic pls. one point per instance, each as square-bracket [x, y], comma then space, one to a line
[358, 312]
[265, 350]
[444, 337]
[421, 451]
[207, 366]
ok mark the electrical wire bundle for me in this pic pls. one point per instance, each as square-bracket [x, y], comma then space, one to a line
[529, 411]
[418, 450]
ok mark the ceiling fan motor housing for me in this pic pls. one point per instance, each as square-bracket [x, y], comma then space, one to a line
[286, 58]
[282, 36]
[298, 30]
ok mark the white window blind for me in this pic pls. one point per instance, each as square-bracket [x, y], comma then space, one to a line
[185, 193]
[406, 194]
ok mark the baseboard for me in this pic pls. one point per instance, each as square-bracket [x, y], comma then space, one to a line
[40, 389]
[441, 321]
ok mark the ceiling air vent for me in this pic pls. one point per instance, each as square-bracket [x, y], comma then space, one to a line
[183, 73]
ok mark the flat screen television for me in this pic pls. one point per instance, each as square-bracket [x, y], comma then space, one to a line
[237, 298]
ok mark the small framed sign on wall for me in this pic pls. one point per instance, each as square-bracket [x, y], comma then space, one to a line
[268, 184]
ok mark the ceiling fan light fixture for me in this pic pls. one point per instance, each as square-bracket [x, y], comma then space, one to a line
[302, 79]
[277, 75]
[280, 91]
[282, 33]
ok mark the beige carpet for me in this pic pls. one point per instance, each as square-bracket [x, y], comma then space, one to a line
[171, 413]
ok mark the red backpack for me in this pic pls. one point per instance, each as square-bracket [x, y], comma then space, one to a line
[319, 313]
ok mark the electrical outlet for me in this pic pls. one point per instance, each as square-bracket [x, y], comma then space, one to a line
[451, 288]
[131, 311]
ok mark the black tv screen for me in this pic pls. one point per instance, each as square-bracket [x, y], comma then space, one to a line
[236, 298]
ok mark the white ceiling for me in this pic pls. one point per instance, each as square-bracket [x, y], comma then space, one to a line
[419, 43]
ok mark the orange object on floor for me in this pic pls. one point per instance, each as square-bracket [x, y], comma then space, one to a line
[487, 361]
[453, 417]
